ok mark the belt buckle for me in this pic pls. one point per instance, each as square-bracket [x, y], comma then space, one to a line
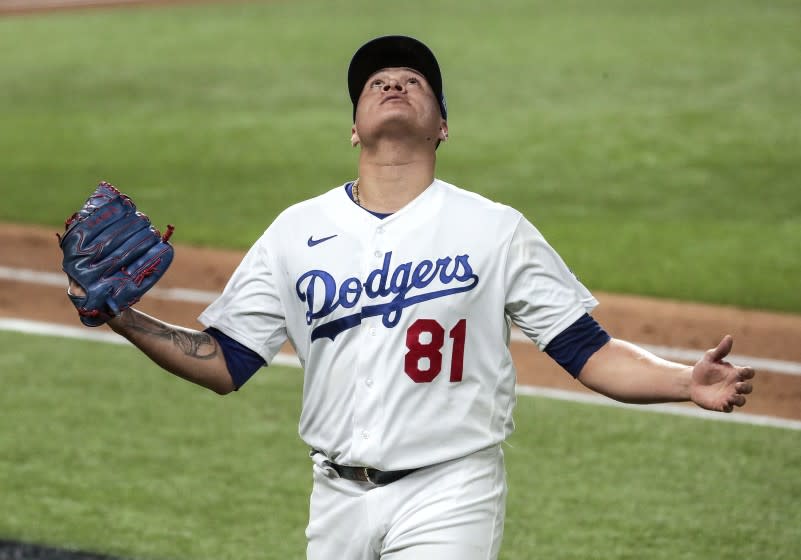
[367, 475]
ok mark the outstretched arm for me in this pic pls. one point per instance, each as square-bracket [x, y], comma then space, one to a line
[628, 373]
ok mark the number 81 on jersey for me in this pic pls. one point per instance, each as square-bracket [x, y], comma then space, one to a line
[430, 352]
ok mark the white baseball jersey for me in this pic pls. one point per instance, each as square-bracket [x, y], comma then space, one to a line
[402, 325]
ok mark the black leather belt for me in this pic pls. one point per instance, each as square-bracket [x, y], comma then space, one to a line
[366, 474]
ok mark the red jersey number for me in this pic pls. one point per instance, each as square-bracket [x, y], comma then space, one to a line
[423, 361]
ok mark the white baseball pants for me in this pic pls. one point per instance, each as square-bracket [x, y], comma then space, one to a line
[450, 511]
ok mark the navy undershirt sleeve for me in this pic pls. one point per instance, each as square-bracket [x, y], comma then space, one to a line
[242, 362]
[573, 346]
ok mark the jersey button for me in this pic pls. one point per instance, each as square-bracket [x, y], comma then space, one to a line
[372, 331]
[380, 230]
[368, 382]
[366, 434]
[377, 253]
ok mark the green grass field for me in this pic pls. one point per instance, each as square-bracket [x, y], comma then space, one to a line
[654, 143]
[126, 459]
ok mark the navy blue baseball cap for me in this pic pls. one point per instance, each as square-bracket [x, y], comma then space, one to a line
[394, 51]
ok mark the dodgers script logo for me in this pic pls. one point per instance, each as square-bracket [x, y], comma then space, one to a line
[408, 281]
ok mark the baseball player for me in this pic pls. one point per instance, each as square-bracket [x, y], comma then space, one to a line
[398, 291]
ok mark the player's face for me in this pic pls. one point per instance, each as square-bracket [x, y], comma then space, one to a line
[398, 101]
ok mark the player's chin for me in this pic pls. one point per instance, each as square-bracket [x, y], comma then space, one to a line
[411, 121]
[395, 114]
[397, 127]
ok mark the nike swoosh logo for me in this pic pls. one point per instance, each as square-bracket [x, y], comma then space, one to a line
[312, 242]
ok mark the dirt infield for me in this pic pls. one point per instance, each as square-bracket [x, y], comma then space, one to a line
[642, 320]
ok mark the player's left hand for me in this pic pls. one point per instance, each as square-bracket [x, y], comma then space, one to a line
[718, 385]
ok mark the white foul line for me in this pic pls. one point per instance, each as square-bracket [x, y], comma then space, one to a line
[692, 356]
[58, 279]
[674, 409]
[100, 334]
[206, 297]
[290, 360]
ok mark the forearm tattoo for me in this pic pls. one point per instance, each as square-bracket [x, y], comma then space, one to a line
[196, 344]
